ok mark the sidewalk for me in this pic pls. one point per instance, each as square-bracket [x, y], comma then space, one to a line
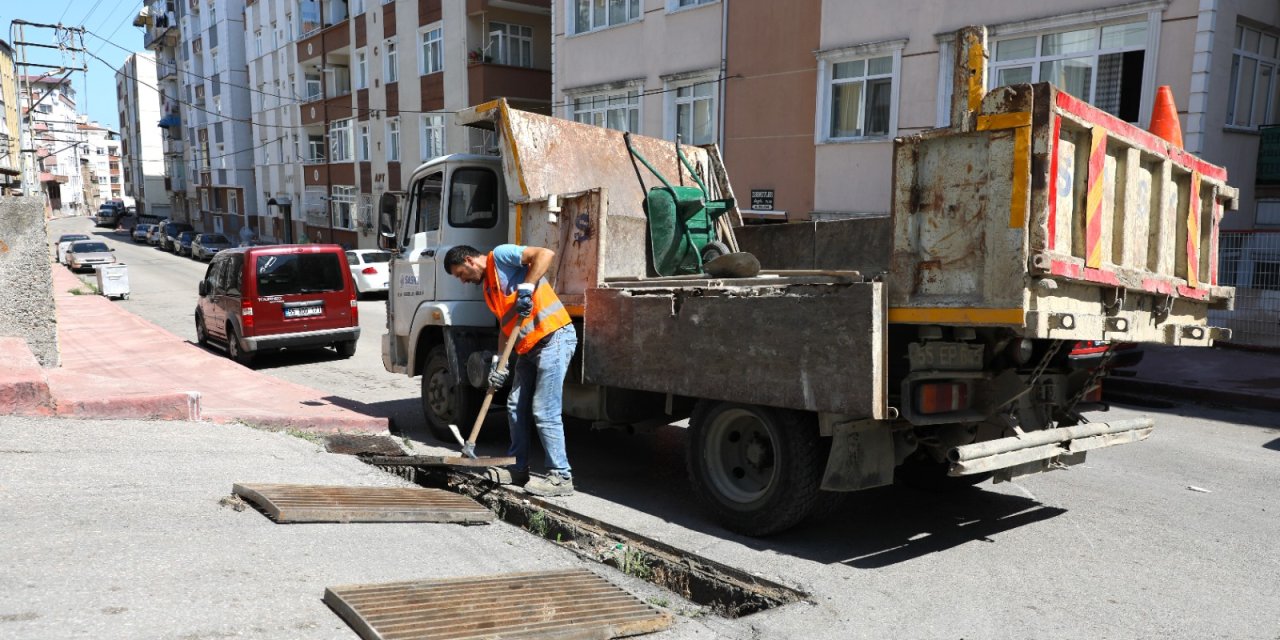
[117, 365]
[1221, 375]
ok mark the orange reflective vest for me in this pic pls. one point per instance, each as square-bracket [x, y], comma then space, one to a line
[547, 316]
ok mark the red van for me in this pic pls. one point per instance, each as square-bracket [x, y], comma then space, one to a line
[257, 299]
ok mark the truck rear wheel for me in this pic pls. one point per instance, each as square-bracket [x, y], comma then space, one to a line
[758, 469]
[446, 397]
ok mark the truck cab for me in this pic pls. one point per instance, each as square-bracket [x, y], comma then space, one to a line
[435, 322]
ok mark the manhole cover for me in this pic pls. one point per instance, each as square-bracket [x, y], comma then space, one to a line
[288, 503]
[556, 604]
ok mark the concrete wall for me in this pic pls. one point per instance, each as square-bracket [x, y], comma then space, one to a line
[26, 280]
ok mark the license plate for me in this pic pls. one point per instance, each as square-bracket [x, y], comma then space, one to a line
[945, 356]
[303, 312]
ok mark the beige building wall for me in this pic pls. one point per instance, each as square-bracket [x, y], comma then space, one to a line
[9, 135]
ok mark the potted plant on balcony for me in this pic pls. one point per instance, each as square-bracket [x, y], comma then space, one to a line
[478, 56]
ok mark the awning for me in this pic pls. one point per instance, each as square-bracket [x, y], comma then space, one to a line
[170, 121]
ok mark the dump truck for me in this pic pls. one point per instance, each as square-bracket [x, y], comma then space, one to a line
[928, 347]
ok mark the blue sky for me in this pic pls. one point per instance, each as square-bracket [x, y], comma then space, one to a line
[111, 19]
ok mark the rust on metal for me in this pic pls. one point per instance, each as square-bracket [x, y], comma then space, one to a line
[556, 604]
[291, 503]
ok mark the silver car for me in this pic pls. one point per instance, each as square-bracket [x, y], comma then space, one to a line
[207, 245]
[84, 255]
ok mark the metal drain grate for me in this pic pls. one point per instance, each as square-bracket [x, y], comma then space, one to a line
[287, 503]
[555, 604]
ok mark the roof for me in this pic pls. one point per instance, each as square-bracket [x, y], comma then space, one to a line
[46, 79]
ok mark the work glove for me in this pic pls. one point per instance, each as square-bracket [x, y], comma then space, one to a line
[524, 299]
[497, 378]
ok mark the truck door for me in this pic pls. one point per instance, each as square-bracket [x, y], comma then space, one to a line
[414, 265]
[473, 212]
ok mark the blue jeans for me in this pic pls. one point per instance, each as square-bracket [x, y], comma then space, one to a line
[536, 389]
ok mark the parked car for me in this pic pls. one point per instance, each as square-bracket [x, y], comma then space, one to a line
[182, 246]
[140, 231]
[257, 299]
[109, 214]
[156, 233]
[65, 241]
[169, 235]
[83, 255]
[369, 270]
[206, 245]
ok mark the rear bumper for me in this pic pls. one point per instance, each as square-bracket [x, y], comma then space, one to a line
[1042, 450]
[302, 339]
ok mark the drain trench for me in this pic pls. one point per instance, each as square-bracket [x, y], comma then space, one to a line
[725, 590]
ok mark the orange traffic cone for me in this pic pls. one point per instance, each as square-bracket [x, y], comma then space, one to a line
[1164, 117]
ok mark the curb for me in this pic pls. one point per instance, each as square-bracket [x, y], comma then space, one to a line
[23, 387]
[314, 424]
[160, 406]
[1167, 391]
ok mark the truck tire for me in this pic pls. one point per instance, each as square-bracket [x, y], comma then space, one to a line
[759, 470]
[446, 397]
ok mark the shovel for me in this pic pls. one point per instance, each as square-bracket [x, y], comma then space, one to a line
[469, 445]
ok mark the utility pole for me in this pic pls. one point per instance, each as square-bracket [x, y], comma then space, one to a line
[65, 39]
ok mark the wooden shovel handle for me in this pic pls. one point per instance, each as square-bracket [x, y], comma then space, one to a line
[488, 394]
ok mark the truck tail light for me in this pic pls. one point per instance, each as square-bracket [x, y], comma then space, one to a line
[941, 397]
[246, 315]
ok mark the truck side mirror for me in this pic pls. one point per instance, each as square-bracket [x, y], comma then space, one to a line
[387, 223]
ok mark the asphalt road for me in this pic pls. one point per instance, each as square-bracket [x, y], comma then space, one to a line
[1174, 537]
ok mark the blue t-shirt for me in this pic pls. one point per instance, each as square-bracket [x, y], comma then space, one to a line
[511, 271]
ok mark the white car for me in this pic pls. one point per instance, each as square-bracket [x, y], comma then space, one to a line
[64, 241]
[369, 270]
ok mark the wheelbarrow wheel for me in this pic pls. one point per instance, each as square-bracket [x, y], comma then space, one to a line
[713, 250]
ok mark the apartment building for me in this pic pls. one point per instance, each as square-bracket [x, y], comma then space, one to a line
[159, 20]
[141, 146]
[350, 97]
[100, 164]
[49, 105]
[10, 139]
[814, 91]
[213, 89]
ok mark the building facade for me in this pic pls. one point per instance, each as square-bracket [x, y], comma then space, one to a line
[10, 138]
[141, 145]
[49, 106]
[159, 20]
[814, 91]
[350, 97]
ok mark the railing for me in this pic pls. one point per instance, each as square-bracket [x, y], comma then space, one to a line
[1269, 155]
[1250, 262]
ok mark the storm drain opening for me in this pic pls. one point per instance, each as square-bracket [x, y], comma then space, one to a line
[551, 604]
[725, 590]
[295, 503]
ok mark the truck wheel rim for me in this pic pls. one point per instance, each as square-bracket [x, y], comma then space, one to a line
[740, 456]
[438, 393]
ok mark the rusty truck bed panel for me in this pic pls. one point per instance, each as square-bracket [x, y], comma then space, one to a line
[1048, 208]
[820, 347]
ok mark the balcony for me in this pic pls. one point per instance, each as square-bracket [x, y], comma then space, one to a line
[161, 29]
[1269, 156]
[488, 81]
[477, 7]
[167, 69]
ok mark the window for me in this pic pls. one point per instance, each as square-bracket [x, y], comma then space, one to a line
[393, 139]
[619, 111]
[357, 7]
[340, 146]
[315, 149]
[362, 69]
[292, 273]
[426, 214]
[1254, 98]
[1102, 65]
[672, 5]
[339, 81]
[390, 72]
[693, 113]
[859, 97]
[313, 90]
[342, 204]
[233, 202]
[432, 142]
[257, 37]
[511, 44]
[473, 199]
[362, 147]
[598, 14]
[432, 60]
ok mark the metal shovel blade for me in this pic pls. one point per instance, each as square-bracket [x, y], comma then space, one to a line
[453, 428]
